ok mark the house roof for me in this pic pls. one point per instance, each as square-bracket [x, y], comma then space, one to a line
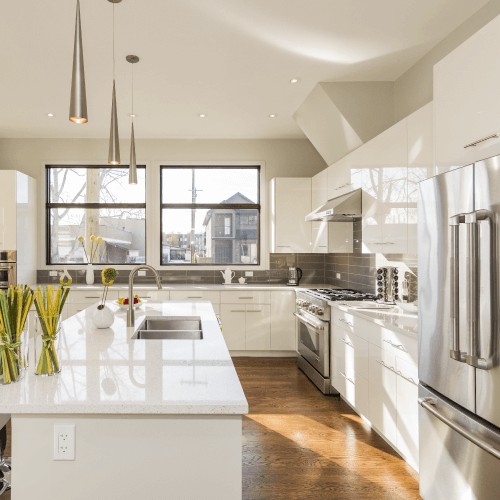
[235, 199]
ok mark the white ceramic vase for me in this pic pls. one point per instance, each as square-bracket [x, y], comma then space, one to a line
[90, 274]
[103, 318]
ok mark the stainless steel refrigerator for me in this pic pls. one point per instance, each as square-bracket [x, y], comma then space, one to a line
[459, 365]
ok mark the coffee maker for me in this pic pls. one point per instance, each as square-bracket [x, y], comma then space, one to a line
[294, 276]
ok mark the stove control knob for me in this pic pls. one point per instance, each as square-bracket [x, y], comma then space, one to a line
[320, 312]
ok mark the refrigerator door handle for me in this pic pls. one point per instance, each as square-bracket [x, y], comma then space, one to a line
[455, 352]
[472, 220]
[429, 405]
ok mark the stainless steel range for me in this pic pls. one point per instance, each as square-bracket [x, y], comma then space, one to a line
[313, 314]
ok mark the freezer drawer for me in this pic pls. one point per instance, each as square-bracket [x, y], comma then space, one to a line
[451, 466]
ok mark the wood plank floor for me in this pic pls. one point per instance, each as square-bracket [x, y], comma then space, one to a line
[301, 445]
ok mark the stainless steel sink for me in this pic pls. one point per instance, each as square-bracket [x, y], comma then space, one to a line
[171, 328]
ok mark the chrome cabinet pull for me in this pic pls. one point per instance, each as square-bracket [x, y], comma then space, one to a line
[5, 485]
[195, 297]
[92, 297]
[408, 379]
[472, 144]
[472, 221]
[254, 311]
[386, 366]
[347, 378]
[397, 346]
[345, 342]
[429, 404]
[236, 311]
[346, 322]
[245, 297]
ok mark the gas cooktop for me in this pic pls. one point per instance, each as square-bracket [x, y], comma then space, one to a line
[340, 294]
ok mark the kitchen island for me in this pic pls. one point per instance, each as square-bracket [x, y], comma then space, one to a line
[154, 418]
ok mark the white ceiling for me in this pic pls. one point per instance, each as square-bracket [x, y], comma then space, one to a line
[230, 59]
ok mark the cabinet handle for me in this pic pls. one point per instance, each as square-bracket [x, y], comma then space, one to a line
[254, 311]
[387, 366]
[346, 322]
[492, 136]
[195, 297]
[236, 311]
[322, 246]
[284, 246]
[401, 347]
[92, 297]
[345, 342]
[409, 379]
[245, 297]
[347, 378]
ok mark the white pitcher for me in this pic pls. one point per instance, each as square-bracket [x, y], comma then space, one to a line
[228, 275]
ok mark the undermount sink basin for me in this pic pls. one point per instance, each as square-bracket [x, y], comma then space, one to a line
[170, 328]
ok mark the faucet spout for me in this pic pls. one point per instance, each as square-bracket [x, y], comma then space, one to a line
[130, 312]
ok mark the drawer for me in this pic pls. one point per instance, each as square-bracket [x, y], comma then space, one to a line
[399, 344]
[143, 294]
[338, 365]
[408, 371]
[351, 323]
[159, 295]
[356, 352]
[195, 295]
[245, 297]
[90, 297]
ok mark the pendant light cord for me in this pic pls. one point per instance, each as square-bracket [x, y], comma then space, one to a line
[132, 93]
[113, 42]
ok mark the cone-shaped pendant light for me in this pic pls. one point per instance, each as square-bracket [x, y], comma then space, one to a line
[78, 103]
[114, 139]
[132, 176]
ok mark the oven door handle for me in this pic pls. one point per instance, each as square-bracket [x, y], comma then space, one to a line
[6, 266]
[312, 325]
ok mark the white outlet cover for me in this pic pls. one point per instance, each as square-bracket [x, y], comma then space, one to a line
[52, 273]
[248, 273]
[338, 276]
[64, 442]
[141, 273]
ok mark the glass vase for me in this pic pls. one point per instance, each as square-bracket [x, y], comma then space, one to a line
[14, 356]
[48, 330]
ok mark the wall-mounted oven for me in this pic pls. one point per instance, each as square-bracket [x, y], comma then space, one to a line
[8, 273]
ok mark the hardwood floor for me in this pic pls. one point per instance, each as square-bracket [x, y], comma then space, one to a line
[301, 445]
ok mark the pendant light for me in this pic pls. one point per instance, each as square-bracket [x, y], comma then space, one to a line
[78, 102]
[114, 140]
[132, 176]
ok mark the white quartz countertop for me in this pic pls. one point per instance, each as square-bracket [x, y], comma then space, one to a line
[153, 287]
[394, 318]
[107, 372]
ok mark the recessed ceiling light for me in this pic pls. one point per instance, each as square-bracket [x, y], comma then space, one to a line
[50, 114]
[273, 116]
[202, 115]
[295, 80]
[132, 115]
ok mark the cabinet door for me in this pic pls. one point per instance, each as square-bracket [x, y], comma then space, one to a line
[407, 408]
[292, 202]
[383, 389]
[158, 294]
[337, 356]
[233, 326]
[283, 335]
[319, 237]
[75, 308]
[466, 107]
[356, 393]
[319, 197]
[8, 219]
[258, 327]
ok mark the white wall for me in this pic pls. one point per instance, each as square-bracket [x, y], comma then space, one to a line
[279, 158]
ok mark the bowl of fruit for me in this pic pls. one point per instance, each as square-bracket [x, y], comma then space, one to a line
[123, 302]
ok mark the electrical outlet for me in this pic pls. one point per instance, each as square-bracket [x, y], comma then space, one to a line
[52, 273]
[338, 276]
[248, 273]
[64, 442]
[141, 273]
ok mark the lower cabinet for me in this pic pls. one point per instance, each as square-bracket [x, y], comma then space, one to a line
[379, 381]
[246, 327]
[283, 323]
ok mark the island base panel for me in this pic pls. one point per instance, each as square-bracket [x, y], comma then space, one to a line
[128, 457]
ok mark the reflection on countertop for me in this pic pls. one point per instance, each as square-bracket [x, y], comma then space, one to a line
[107, 372]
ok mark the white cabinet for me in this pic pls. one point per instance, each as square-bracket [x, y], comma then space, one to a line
[258, 327]
[343, 175]
[290, 203]
[383, 390]
[197, 296]
[466, 104]
[283, 323]
[319, 197]
[233, 326]
[407, 410]
[383, 178]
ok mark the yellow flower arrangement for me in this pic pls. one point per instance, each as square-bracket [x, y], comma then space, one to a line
[93, 249]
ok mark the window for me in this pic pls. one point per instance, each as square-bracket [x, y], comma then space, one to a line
[88, 200]
[210, 215]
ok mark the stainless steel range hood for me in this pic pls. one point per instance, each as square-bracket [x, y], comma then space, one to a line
[344, 208]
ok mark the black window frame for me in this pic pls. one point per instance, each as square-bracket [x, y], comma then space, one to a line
[215, 206]
[49, 206]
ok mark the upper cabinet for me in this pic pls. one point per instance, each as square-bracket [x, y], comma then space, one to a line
[466, 107]
[319, 197]
[290, 203]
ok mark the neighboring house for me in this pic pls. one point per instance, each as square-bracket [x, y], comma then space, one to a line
[231, 234]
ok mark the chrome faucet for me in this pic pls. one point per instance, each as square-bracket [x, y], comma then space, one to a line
[130, 313]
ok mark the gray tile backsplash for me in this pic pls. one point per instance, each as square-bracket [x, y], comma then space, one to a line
[357, 271]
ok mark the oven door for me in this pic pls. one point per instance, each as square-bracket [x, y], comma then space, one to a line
[314, 342]
[7, 274]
